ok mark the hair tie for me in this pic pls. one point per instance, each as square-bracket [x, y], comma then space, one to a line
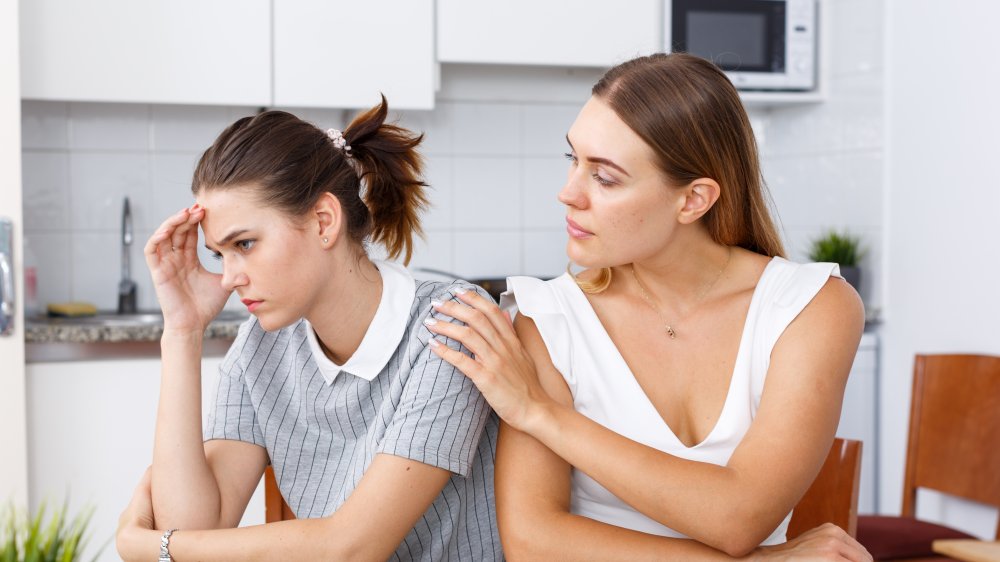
[339, 141]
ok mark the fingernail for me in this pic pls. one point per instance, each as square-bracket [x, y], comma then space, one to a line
[433, 343]
[459, 291]
[436, 303]
[430, 321]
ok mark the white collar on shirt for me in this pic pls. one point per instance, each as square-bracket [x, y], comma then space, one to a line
[383, 334]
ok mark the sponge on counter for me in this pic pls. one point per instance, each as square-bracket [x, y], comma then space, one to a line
[72, 309]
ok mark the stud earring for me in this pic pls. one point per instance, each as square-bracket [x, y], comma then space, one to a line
[325, 240]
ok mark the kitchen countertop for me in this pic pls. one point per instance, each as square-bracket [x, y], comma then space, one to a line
[69, 339]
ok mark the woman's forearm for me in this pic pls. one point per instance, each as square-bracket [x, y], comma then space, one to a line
[564, 536]
[185, 492]
[300, 539]
[676, 492]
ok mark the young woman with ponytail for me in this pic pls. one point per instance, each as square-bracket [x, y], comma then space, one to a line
[381, 449]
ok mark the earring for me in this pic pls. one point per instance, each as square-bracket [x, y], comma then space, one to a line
[325, 240]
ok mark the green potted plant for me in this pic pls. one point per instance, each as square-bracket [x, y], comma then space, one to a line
[42, 537]
[840, 248]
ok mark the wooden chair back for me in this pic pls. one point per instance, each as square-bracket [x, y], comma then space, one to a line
[275, 508]
[833, 496]
[954, 442]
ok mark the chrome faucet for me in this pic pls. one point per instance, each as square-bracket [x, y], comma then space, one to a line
[126, 287]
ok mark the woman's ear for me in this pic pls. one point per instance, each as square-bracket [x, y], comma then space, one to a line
[329, 218]
[700, 196]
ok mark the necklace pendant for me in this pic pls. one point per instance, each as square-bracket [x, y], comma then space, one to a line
[670, 332]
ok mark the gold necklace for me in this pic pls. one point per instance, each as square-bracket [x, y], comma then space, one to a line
[666, 325]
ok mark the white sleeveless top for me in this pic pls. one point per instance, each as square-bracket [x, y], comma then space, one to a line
[605, 390]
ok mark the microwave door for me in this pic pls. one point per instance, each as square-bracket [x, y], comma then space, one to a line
[760, 44]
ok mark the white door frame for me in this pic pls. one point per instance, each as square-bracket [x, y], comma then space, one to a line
[13, 424]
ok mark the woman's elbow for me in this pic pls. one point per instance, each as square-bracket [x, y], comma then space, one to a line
[524, 537]
[738, 547]
[738, 533]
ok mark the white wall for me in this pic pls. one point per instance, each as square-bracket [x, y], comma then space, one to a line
[13, 436]
[943, 219]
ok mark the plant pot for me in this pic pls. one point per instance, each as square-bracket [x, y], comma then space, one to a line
[852, 274]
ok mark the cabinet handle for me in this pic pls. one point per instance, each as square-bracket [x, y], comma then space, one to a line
[7, 304]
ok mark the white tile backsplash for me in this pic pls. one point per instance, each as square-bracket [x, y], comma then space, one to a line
[45, 176]
[96, 268]
[542, 180]
[109, 126]
[484, 129]
[44, 124]
[434, 251]
[51, 253]
[545, 252]
[487, 193]
[436, 126]
[439, 175]
[838, 189]
[100, 181]
[187, 128]
[857, 34]
[492, 253]
[171, 190]
[544, 128]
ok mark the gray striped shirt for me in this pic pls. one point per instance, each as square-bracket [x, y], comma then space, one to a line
[322, 424]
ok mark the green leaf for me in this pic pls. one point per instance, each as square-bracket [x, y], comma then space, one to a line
[841, 248]
[41, 537]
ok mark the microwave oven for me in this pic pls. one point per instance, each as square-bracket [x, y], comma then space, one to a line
[759, 44]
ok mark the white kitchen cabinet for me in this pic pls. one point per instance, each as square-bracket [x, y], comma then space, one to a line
[859, 418]
[90, 435]
[343, 53]
[555, 32]
[182, 51]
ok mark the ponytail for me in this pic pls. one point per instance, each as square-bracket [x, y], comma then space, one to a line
[291, 164]
[390, 171]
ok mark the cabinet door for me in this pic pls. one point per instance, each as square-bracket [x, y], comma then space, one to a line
[554, 32]
[335, 53]
[181, 51]
[91, 427]
[859, 418]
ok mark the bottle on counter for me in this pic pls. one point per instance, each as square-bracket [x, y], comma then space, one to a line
[31, 307]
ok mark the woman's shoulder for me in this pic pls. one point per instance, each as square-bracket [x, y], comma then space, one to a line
[437, 290]
[814, 295]
[532, 296]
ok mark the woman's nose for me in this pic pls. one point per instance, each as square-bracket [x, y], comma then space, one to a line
[232, 277]
[572, 193]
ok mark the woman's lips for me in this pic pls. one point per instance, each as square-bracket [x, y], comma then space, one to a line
[576, 231]
[251, 304]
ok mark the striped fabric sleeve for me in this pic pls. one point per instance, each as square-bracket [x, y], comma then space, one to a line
[232, 415]
[441, 414]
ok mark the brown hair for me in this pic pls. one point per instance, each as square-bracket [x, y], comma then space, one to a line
[690, 114]
[291, 163]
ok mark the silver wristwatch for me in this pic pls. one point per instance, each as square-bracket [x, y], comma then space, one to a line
[165, 547]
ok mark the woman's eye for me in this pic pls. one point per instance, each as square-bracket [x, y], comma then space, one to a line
[571, 157]
[245, 245]
[217, 256]
[601, 179]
